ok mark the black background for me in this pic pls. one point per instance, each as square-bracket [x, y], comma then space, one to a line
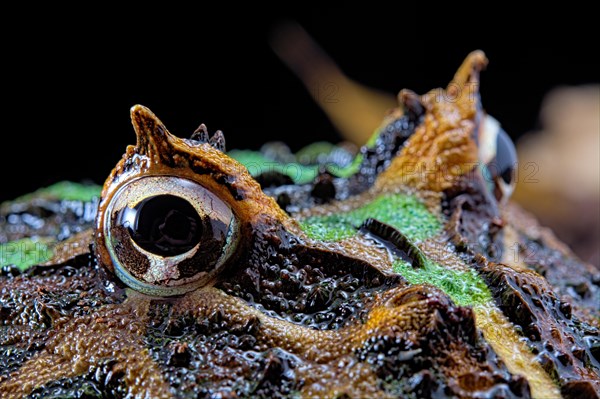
[69, 81]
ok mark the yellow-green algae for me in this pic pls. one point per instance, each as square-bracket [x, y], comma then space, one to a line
[411, 217]
[465, 288]
[25, 253]
[404, 212]
[28, 252]
[257, 163]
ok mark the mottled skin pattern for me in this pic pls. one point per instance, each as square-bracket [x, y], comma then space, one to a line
[290, 315]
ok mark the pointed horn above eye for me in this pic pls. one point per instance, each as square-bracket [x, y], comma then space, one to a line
[218, 141]
[152, 135]
[411, 103]
[467, 75]
[200, 134]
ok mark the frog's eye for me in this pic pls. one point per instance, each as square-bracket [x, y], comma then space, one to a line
[168, 235]
[497, 152]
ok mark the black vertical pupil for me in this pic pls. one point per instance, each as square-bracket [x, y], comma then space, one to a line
[165, 225]
[506, 156]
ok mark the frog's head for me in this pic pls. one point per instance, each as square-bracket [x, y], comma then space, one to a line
[172, 209]
[386, 286]
[175, 212]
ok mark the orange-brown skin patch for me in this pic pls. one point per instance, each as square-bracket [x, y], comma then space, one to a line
[443, 147]
[410, 312]
[78, 245]
[113, 332]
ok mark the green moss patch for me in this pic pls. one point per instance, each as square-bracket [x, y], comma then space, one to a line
[465, 288]
[406, 213]
[256, 164]
[25, 253]
[300, 173]
[65, 190]
[349, 170]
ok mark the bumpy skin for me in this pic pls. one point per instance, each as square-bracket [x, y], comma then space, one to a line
[407, 280]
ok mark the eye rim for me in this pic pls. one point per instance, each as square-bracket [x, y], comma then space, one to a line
[492, 137]
[188, 190]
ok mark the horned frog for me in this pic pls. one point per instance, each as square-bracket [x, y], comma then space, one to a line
[409, 274]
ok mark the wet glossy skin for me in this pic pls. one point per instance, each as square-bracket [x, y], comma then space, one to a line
[398, 281]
